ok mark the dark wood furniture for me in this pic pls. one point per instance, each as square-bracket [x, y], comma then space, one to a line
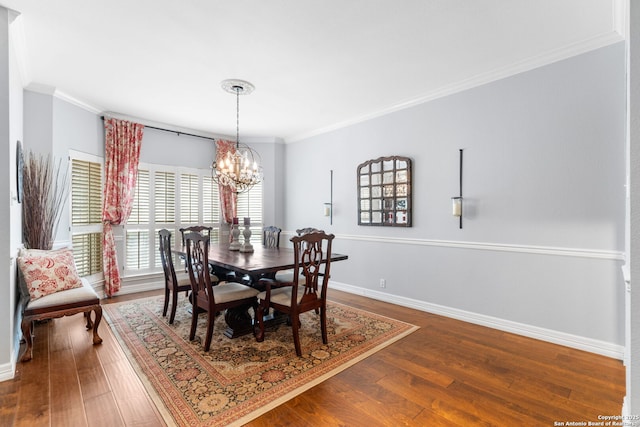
[271, 236]
[63, 303]
[306, 230]
[173, 283]
[214, 299]
[254, 264]
[262, 262]
[202, 229]
[312, 262]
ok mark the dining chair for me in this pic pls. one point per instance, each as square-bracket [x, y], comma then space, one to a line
[204, 296]
[173, 283]
[286, 276]
[312, 260]
[271, 236]
[202, 229]
[307, 230]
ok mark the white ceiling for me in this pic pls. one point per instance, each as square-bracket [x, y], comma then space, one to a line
[316, 64]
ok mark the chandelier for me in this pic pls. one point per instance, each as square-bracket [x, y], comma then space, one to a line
[240, 168]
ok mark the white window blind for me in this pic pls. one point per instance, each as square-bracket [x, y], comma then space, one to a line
[138, 250]
[86, 215]
[86, 192]
[164, 207]
[141, 203]
[210, 202]
[161, 193]
[137, 238]
[250, 205]
[189, 196]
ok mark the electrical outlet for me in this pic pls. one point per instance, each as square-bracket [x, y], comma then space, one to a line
[383, 283]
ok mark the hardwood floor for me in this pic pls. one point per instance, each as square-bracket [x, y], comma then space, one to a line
[448, 373]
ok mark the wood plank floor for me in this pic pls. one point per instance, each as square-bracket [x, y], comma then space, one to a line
[448, 373]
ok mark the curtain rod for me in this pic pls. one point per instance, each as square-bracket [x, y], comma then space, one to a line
[175, 131]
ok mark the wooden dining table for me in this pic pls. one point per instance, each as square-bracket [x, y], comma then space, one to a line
[262, 262]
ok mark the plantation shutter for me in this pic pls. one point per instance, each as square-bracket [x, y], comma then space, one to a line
[138, 239]
[87, 253]
[86, 216]
[189, 199]
[86, 192]
[164, 207]
[210, 202]
[141, 202]
[250, 205]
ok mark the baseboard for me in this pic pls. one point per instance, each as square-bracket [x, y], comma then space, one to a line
[568, 340]
[7, 371]
[135, 286]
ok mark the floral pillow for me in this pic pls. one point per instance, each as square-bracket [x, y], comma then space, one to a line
[47, 272]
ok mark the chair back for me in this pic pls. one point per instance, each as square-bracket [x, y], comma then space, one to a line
[271, 237]
[198, 267]
[307, 230]
[203, 230]
[312, 258]
[166, 257]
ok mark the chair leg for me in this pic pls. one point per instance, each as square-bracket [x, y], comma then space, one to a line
[27, 324]
[194, 321]
[295, 325]
[323, 324]
[87, 315]
[211, 318]
[258, 331]
[96, 323]
[166, 301]
[174, 303]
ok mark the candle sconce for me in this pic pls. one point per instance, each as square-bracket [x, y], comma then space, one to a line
[457, 201]
[328, 206]
[327, 209]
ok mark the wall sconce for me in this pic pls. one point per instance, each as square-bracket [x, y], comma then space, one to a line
[456, 202]
[328, 207]
[456, 206]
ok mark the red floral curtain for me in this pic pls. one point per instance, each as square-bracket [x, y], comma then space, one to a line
[123, 140]
[228, 197]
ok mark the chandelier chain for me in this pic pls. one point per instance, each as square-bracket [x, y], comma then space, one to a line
[237, 89]
[238, 169]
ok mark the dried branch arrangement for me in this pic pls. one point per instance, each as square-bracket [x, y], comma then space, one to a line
[45, 188]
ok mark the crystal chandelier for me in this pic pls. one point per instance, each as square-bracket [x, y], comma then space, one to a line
[240, 168]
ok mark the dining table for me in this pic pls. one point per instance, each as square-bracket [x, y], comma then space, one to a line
[260, 263]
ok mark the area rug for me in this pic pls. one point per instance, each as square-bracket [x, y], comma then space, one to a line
[239, 379]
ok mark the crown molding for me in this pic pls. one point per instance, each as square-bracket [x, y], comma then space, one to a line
[528, 64]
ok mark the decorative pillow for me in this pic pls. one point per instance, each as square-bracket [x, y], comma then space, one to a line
[47, 272]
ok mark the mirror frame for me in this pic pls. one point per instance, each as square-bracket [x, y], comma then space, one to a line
[384, 192]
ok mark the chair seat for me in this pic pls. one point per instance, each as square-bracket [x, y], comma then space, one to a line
[84, 293]
[282, 296]
[183, 279]
[286, 276]
[232, 291]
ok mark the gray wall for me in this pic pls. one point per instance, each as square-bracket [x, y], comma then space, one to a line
[544, 174]
[11, 119]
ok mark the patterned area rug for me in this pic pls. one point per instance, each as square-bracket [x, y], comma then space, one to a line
[239, 379]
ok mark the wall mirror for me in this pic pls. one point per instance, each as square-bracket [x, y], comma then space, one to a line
[384, 192]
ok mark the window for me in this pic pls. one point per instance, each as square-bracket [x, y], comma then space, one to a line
[250, 205]
[86, 213]
[138, 238]
[173, 198]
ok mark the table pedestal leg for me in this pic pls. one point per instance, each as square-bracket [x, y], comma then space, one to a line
[239, 321]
